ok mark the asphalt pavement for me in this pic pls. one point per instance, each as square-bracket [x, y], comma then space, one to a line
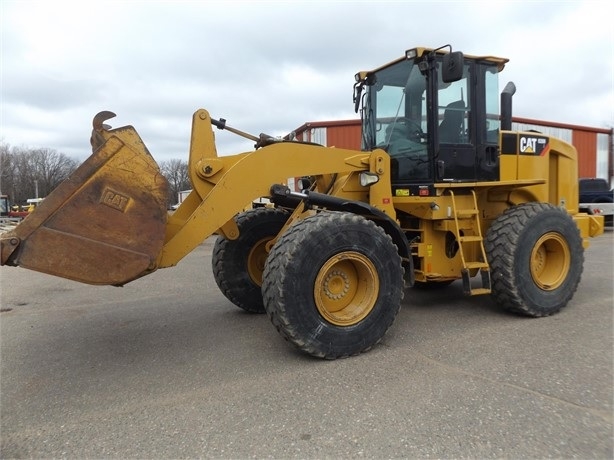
[166, 367]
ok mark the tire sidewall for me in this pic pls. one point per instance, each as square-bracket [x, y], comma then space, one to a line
[239, 250]
[555, 221]
[335, 238]
[233, 277]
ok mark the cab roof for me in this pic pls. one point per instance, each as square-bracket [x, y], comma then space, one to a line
[421, 51]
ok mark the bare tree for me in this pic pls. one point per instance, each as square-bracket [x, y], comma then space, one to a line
[176, 172]
[6, 170]
[28, 172]
[50, 168]
[31, 173]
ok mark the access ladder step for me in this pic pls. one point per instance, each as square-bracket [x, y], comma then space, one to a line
[462, 213]
[471, 265]
[479, 291]
[470, 238]
[486, 287]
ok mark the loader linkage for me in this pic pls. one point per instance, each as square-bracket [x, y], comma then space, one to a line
[108, 222]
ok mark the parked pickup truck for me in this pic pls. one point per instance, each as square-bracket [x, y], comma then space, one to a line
[596, 197]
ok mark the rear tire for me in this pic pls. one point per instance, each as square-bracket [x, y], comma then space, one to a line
[536, 259]
[238, 264]
[333, 284]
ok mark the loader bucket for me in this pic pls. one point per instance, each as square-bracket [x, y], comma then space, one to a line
[105, 224]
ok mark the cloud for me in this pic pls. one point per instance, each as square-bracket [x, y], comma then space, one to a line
[270, 66]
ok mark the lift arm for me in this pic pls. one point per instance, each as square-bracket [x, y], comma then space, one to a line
[108, 223]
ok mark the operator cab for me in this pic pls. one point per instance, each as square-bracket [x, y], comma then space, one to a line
[436, 113]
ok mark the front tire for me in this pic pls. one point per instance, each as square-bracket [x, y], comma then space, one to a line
[333, 284]
[238, 264]
[536, 259]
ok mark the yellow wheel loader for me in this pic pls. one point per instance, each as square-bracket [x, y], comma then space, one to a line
[442, 190]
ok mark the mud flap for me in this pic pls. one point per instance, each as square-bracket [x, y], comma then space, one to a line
[104, 225]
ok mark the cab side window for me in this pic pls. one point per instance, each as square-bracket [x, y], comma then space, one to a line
[454, 110]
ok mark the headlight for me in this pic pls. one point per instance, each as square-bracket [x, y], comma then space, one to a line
[412, 53]
[368, 178]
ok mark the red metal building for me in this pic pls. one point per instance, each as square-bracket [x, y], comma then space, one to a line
[594, 145]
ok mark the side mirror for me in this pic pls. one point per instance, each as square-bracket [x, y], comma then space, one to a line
[357, 93]
[452, 67]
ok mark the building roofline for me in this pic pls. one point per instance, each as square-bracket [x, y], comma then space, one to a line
[555, 124]
[530, 121]
[322, 124]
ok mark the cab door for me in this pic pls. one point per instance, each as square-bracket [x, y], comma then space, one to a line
[455, 150]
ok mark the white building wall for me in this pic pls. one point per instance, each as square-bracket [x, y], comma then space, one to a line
[560, 133]
[602, 157]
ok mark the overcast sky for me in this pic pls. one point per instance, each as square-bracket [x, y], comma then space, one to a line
[272, 66]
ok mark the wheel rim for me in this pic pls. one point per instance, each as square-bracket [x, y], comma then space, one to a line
[550, 261]
[256, 260]
[346, 288]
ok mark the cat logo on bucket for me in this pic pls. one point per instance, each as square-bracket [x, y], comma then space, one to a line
[114, 200]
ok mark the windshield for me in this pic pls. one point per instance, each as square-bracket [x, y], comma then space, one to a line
[394, 118]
